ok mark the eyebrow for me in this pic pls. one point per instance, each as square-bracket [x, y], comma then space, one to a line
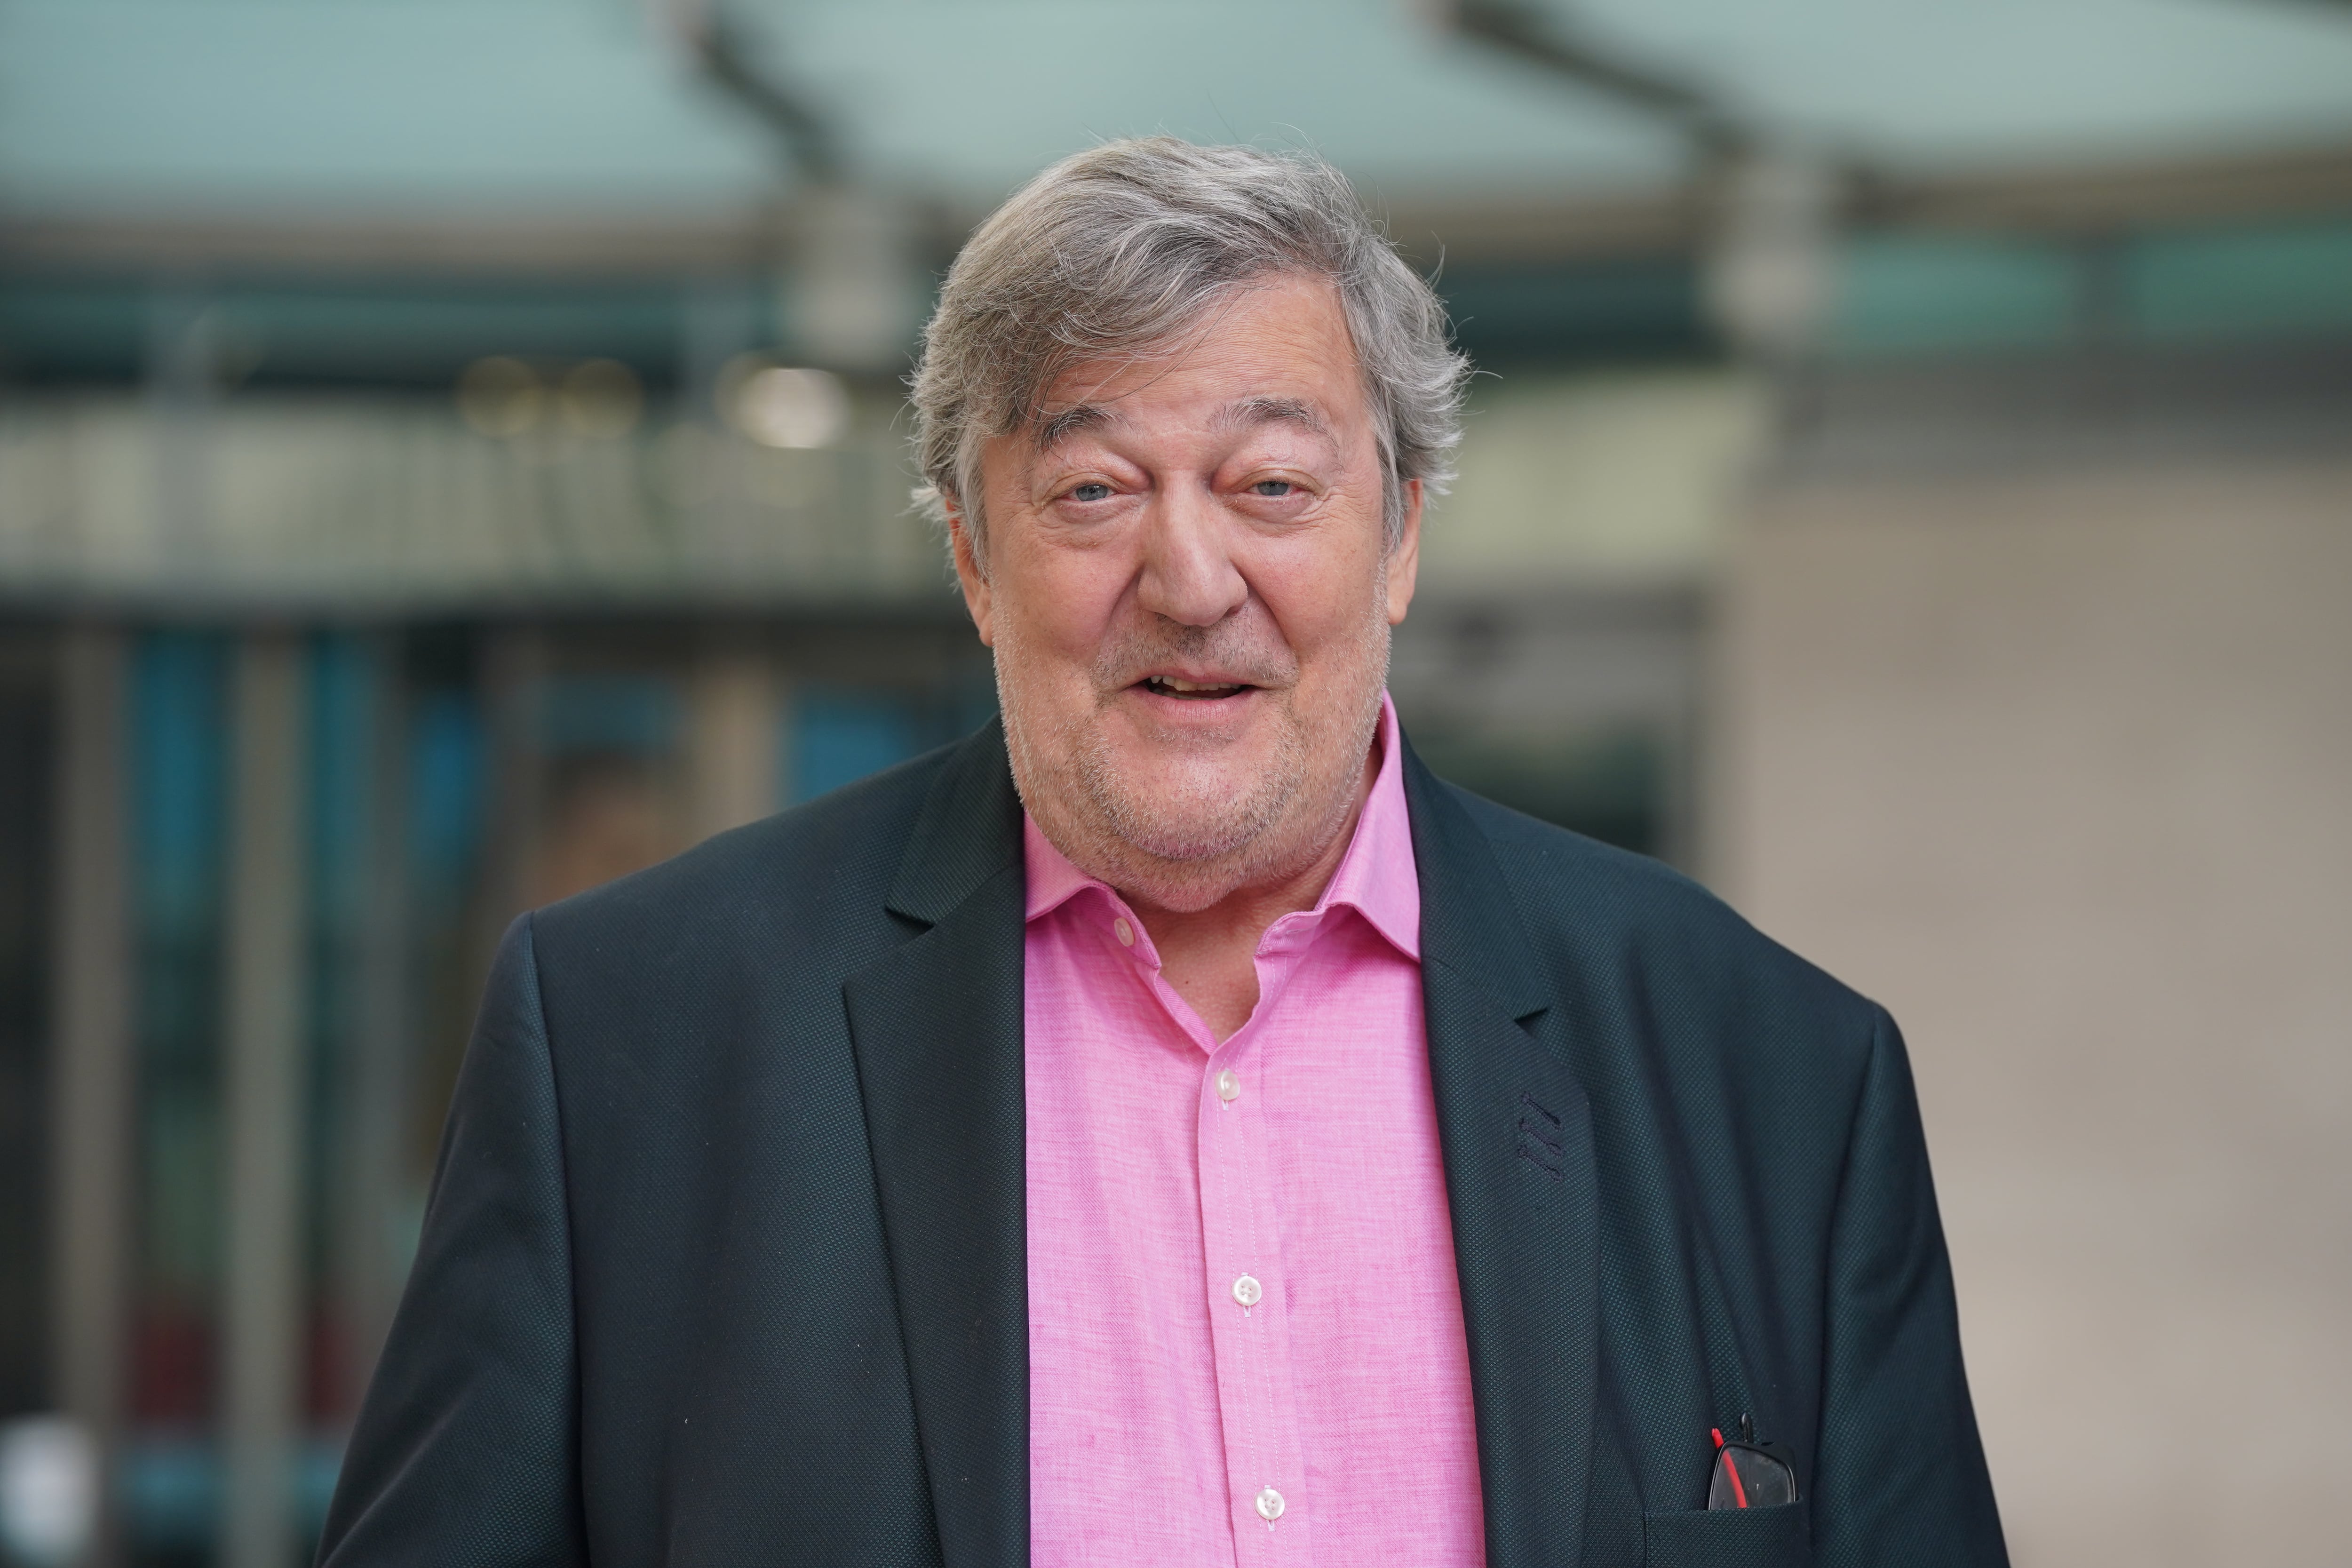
[1083, 417]
[1275, 411]
[1061, 426]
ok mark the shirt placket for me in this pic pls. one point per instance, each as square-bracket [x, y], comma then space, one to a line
[1247, 1288]
[1245, 1277]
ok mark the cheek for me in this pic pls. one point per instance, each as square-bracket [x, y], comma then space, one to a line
[1321, 598]
[1060, 601]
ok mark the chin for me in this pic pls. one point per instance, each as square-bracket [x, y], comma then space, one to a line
[1182, 795]
[1166, 832]
[1185, 837]
[1187, 809]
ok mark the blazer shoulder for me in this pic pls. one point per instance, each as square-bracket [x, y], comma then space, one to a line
[814, 867]
[1588, 901]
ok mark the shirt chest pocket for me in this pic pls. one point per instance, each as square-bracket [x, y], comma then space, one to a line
[1728, 1537]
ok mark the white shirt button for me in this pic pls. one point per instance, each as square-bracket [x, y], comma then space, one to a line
[1229, 1085]
[1124, 931]
[1269, 1505]
[1247, 1290]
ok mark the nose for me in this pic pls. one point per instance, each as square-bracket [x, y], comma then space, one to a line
[1188, 574]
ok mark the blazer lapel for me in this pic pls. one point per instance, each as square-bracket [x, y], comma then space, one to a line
[937, 1027]
[1517, 1132]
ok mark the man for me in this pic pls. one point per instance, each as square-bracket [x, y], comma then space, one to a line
[1171, 1127]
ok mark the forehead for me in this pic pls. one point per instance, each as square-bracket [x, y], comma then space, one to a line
[1277, 353]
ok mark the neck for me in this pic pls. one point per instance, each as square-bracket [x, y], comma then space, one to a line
[1210, 954]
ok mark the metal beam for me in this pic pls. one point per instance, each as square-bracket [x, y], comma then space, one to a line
[727, 56]
[262, 1318]
[1538, 35]
[93, 1076]
[377, 1093]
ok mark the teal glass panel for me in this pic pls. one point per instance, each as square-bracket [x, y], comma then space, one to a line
[2246, 282]
[179, 775]
[1617, 309]
[343, 694]
[446, 786]
[180, 714]
[840, 734]
[1918, 294]
[609, 713]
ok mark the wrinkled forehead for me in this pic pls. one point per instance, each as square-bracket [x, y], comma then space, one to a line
[1306, 416]
[1277, 354]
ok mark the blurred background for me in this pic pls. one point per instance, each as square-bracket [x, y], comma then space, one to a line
[451, 453]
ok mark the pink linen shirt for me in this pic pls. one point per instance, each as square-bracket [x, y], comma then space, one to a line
[1245, 1340]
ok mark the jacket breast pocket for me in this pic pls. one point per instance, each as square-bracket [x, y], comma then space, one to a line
[1730, 1537]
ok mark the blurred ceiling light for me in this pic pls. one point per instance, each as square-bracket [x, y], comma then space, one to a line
[500, 397]
[49, 1491]
[783, 405]
[600, 398]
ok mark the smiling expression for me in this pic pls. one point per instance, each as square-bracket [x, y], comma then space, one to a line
[1189, 592]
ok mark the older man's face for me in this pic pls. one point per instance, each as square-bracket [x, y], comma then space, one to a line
[1189, 592]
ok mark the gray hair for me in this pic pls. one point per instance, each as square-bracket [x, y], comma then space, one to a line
[1116, 250]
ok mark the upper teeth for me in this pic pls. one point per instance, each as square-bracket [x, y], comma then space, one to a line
[1172, 684]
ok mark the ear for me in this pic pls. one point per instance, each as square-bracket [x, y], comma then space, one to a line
[1405, 561]
[977, 597]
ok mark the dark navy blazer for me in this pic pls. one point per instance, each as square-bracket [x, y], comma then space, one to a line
[724, 1263]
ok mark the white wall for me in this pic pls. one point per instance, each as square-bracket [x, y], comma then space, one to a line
[2060, 768]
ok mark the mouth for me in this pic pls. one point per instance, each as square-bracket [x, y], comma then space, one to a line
[1194, 690]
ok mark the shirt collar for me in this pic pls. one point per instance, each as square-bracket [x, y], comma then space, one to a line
[1376, 877]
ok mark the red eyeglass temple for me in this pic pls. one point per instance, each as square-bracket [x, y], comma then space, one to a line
[1739, 1492]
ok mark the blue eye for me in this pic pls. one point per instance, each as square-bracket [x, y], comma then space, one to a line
[1273, 487]
[1091, 490]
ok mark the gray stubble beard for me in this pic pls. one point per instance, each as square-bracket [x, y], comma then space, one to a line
[1109, 830]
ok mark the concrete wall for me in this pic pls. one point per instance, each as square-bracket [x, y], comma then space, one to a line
[2059, 767]
[1599, 481]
